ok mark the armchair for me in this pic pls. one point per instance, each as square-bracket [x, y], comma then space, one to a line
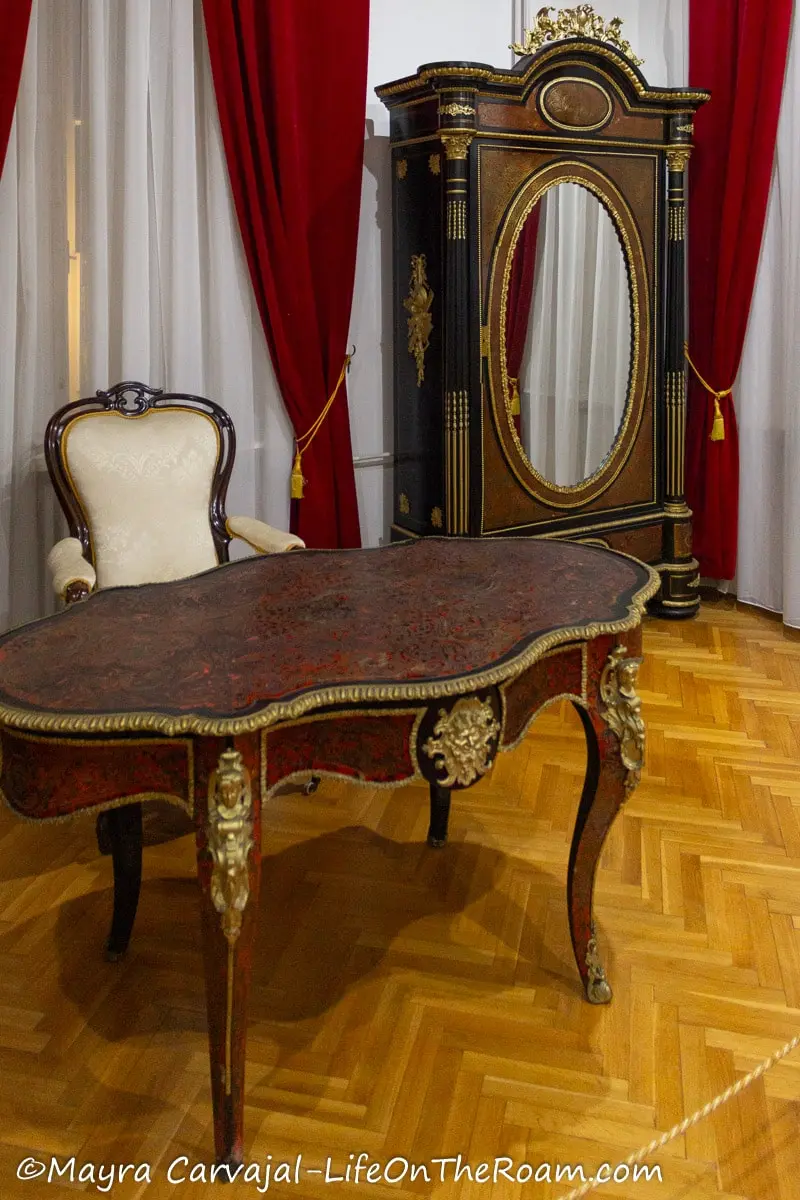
[142, 476]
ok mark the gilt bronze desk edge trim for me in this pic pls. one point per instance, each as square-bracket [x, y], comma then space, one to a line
[282, 710]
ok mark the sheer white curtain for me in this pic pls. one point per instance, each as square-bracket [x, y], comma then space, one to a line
[768, 388]
[166, 295]
[575, 369]
[33, 313]
[166, 291]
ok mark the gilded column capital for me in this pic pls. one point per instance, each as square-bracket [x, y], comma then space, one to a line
[456, 142]
[678, 157]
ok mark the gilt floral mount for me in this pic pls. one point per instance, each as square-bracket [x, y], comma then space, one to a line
[418, 305]
[579, 22]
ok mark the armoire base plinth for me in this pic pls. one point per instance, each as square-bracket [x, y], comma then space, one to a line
[678, 599]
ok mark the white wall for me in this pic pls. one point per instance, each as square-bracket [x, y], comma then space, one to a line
[402, 37]
[658, 32]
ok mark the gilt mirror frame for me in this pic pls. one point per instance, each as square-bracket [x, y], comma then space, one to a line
[598, 184]
[555, 83]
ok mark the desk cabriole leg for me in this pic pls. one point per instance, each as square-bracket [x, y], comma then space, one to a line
[615, 751]
[123, 828]
[228, 834]
[440, 816]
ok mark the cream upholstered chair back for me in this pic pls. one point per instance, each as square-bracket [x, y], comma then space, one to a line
[142, 477]
[144, 485]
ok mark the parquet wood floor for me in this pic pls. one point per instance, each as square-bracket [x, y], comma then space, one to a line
[419, 1004]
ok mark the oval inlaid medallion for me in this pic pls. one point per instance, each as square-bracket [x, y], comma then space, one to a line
[575, 104]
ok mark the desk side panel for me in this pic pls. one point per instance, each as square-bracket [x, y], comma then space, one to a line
[49, 778]
[377, 747]
[558, 675]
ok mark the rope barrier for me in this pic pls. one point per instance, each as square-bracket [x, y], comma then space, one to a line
[695, 1119]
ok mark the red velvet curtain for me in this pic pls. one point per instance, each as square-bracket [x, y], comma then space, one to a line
[290, 79]
[520, 298]
[15, 16]
[737, 51]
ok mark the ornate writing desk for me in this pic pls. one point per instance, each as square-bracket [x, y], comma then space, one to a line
[417, 661]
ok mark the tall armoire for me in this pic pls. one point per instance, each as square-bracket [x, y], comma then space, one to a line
[539, 228]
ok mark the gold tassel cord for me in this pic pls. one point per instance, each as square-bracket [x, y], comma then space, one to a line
[516, 407]
[718, 428]
[301, 444]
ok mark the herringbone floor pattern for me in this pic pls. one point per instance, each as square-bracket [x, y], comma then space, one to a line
[419, 1004]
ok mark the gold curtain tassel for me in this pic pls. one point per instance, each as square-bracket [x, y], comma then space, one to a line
[297, 478]
[516, 407]
[302, 443]
[718, 428]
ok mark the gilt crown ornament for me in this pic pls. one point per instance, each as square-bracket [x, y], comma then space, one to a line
[579, 22]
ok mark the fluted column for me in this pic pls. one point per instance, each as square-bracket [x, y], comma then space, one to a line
[679, 570]
[457, 129]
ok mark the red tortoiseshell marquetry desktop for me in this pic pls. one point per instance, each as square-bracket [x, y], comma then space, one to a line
[418, 661]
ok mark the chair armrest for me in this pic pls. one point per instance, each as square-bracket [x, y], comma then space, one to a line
[262, 537]
[73, 576]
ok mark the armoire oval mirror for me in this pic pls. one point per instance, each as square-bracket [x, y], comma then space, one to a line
[568, 335]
